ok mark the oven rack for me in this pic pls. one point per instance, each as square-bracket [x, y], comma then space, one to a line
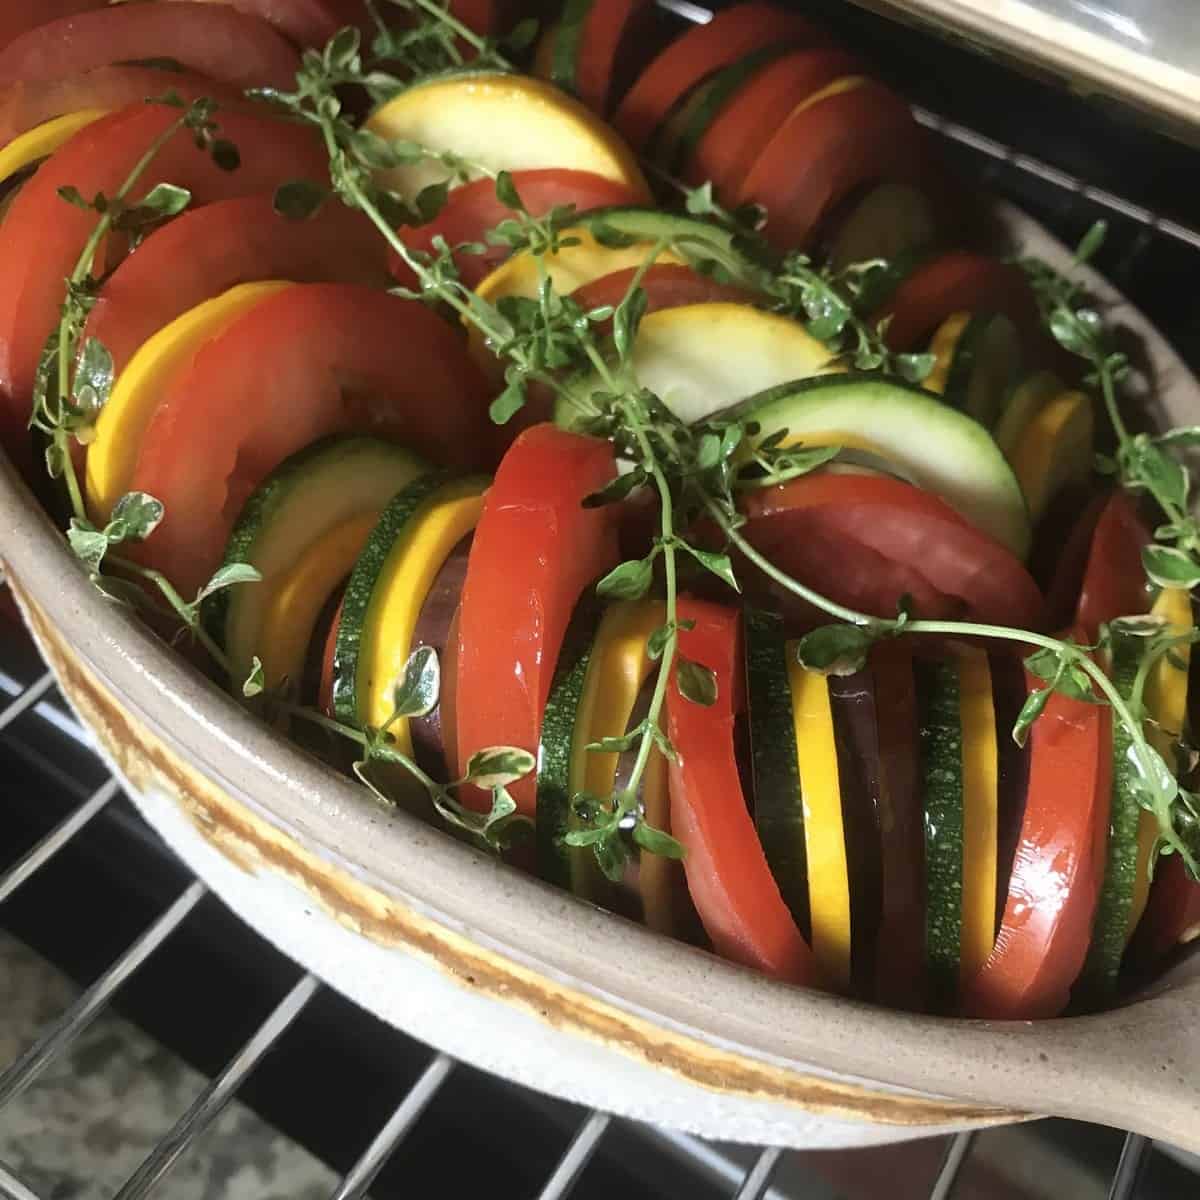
[26, 701]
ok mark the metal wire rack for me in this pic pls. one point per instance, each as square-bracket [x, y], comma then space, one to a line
[1145, 258]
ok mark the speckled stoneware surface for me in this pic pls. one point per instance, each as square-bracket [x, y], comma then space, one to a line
[507, 973]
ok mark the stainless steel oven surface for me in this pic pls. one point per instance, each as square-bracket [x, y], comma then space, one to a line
[152, 1043]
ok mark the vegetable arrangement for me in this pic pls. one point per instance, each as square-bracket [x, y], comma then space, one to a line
[634, 463]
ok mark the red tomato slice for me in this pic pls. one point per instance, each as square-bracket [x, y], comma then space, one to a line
[535, 550]
[1172, 913]
[667, 285]
[741, 130]
[729, 36]
[727, 873]
[900, 946]
[209, 38]
[309, 361]
[958, 281]
[20, 16]
[24, 105]
[1114, 584]
[618, 38]
[1058, 868]
[1062, 559]
[42, 236]
[206, 252]
[473, 209]
[887, 538]
[307, 22]
[864, 135]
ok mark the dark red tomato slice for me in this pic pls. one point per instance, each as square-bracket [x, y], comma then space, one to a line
[535, 550]
[471, 210]
[1058, 868]
[1172, 913]
[1061, 546]
[741, 130]
[24, 105]
[308, 361]
[204, 253]
[325, 687]
[667, 285]
[20, 16]
[730, 882]
[618, 38]
[887, 539]
[729, 36]
[210, 38]
[856, 137]
[1114, 583]
[958, 281]
[41, 237]
[901, 944]
[307, 22]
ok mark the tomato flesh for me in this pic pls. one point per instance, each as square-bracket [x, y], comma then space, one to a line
[741, 130]
[535, 550]
[308, 22]
[887, 539]
[474, 208]
[41, 237]
[1172, 913]
[210, 38]
[730, 882]
[1058, 868]
[204, 253]
[618, 35]
[311, 360]
[20, 16]
[855, 137]
[1114, 584]
[667, 285]
[729, 36]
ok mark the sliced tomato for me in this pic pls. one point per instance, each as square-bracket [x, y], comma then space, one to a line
[865, 134]
[728, 877]
[667, 285]
[310, 360]
[1114, 583]
[41, 237]
[958, 281]
[474, 208]
[1062, 544]
[20, 16]
[307, 22]
[887, 539]
[535, 550]
[729, 36]
[619, 37]
[740, 132]
[1172, 914]
[210, 38]
[1058, 868]
[26, 104]
[206, 252]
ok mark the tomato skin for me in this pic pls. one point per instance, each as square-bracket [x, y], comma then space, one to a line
[888, 538]
[474, 208]
[730, 882]
[1070, 558]
[209, 38]
[1058, 869]
[311, 360]
[203, 253]
[28, 103]
[1172, 913]
[743, 127]
[958, 281]
[730, 35]
[20, 16]
[41, 236]
[535, 550]
[667, 285]
[307, 22]
[1114, 584]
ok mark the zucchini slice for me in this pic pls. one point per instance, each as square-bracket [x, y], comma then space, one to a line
[303, 530]
[413, 538]
[778, 802]
[892, 221]
[700, 359]
[978, 358]
[940, 737]
[940, 449]
[824, 828]
[1056, 450]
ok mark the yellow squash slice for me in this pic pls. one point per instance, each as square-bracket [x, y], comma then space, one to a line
[1055, 451]
[42, 140]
